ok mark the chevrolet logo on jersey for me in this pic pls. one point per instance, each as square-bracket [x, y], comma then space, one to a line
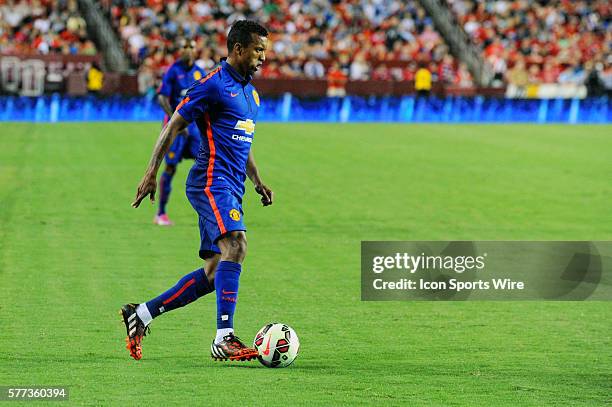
[246, 125]
[241, 138]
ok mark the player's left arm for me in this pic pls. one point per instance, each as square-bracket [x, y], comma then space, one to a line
[267, 196]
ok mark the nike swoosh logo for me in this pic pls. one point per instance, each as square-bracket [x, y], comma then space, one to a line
[233, 94]
[267, 351]
[228, 292]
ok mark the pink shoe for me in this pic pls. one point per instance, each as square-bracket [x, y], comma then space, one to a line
[162, 220]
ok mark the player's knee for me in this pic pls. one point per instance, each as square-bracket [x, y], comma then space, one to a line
[234, 247]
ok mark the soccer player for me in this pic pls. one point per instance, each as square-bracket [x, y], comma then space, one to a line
[177, 79]
[224, 106]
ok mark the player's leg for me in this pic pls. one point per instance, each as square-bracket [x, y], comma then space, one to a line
[221, 223]
[233, 247]
[173, 157]
[165, 187]
[189, 288]
[226, 345]
[137, 317]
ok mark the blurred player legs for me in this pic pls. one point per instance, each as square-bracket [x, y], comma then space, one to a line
[176, 81]
[185, 145]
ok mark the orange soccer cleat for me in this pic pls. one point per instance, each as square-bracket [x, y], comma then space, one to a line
[232, 348]
[135, 328]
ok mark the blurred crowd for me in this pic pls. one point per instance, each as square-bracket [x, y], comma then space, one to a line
[524, 41]
[43, 27]
[369, 39]
[539, 42]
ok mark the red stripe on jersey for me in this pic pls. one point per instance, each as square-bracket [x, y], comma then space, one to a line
[207, 77]
[182, 103]
[210, 74]
[209, 173]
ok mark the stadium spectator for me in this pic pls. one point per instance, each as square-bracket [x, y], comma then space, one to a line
[336, 81]
[406, 74]
[550, 72]
[464, 77]
[606, 77]
[88, 48]
[271, 70]
[381, 73]
[434, 68]
[360, 69]
[206, 60]
[314, 69]
[446, 70]
[533, 76]
[573, 74]
[497, 61]
[518, 75]
[518, 79]
[95, 79]
[422, 81]
[290, 68]
[594, 84]
[147, 78]
[429, 37]
[344, 63]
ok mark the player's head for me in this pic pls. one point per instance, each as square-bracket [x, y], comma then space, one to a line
[246, 45]
[187, 50]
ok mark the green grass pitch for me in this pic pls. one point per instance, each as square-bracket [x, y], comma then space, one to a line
[72, 250]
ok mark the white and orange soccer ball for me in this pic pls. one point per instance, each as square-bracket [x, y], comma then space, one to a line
[278, 345]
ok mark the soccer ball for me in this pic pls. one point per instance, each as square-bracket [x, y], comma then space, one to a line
[278, 345]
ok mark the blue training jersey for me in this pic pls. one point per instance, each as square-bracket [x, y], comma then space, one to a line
[224, 105]
[177, 80]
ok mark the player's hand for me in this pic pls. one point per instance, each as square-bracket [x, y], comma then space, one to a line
[266, 194]
[147, 187]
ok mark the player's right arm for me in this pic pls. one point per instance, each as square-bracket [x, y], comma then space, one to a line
[199, 98]
[148, 184]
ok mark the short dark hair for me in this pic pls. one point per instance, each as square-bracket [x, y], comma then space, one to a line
[241, 33]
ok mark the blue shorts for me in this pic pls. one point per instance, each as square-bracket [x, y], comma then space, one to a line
[219, 212]
[184, 146]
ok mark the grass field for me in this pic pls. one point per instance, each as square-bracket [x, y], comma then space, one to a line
[72, 250]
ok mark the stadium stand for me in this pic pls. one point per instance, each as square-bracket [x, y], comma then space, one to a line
[525, 44]
[43, 43]
[541, 42]
[43, 27]
[306, 36]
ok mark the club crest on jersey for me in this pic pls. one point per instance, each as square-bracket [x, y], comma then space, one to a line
[234, 214]
[256, 97]
[197, 75]
[246, 125]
